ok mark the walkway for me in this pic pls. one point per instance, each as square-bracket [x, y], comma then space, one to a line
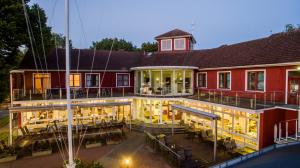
[110, 156]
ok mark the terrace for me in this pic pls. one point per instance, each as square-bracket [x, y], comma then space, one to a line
[241, 99]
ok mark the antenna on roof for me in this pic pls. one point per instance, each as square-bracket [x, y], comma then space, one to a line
[193, 26]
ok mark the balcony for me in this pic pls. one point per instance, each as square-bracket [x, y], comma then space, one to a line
[242, 99]
[166, 81]
[76, 93]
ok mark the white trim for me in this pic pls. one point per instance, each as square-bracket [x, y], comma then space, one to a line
[99, 75]
[168, 49]
[197, 84]
[229, 79]
[246, 80]
[184, 42]
[252, 66]
[161, 38]
[117, 80]
[80, 82]
[33, 81]
[56, 70]
[163, 67]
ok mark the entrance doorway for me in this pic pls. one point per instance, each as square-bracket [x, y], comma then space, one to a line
[41, 82]
[293, 86]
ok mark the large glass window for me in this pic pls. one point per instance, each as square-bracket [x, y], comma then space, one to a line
[41, 82]
[202, 77]
[179, 44]
[92, 80]
[166, 45]
[256, 80]
[75, 80]
[224, 80]
[122, 80]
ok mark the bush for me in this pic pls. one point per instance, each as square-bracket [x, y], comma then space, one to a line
[81, 164]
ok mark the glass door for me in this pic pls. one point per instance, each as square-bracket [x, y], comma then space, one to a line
[41, 83]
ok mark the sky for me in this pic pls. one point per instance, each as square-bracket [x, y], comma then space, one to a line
[212, 22]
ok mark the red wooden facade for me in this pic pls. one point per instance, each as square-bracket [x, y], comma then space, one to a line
[187, 44]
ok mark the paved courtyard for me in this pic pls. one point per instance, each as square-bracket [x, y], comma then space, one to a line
[111, 156]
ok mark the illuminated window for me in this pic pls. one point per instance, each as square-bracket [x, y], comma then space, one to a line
[75, 80]
[224, 80]
[92, 80]
[202, 77]
[166, 45]
[122, 80]
[256, 80]
[179, 44]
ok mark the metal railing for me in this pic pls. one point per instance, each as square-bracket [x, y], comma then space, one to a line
[235, 161]
[286, 131]
[244, 99]
[76, 93]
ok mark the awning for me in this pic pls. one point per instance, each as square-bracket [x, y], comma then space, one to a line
[196, 112]
[64, 106]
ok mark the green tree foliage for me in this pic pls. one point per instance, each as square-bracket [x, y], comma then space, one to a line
[149, 47]
[15, 40]
[291, 27]
[59, 40]
[118, 44]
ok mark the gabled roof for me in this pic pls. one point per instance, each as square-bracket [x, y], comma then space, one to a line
[276, 49]
[175, 33]
[83, 58]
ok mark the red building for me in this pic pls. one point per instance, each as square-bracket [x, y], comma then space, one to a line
[252, 85]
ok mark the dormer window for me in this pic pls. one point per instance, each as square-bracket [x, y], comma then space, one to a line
[179, 44]
[166, 45]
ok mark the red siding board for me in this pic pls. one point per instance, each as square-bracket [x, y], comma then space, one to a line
[267, 121]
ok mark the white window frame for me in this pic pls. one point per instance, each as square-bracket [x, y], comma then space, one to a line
[79, 79]
[229, 79]
[117, 79]
[246, 80]
[33, 80]
[184, 42]
[161, 45]
[85, 84]
[198, 79]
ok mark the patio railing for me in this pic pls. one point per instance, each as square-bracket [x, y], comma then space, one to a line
[244, 99]
[76, 93]
[286, 131]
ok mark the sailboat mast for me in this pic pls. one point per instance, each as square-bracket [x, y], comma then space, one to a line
[70, 114]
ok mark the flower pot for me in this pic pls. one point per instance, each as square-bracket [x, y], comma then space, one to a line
[8, 159]
[113, 142]
[93, 145]
[42, 153]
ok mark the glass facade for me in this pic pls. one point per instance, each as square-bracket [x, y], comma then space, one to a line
[164, 82]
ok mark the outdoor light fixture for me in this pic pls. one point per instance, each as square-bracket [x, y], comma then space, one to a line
[126, 162]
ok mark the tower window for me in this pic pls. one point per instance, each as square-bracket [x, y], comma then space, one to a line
[179, 44]
[166, 45]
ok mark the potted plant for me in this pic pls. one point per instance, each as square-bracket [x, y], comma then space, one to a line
[8, 154]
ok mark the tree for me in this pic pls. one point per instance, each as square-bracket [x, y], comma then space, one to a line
[291, 28]
[118, 44]
[149, 47]
[59, 40]
[14, 37]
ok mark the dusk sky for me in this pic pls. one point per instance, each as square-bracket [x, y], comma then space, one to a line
[216, 22]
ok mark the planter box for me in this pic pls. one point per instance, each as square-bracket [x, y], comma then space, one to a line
[42, 153]
[93, 145]
[8, 159]
[113, 142]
